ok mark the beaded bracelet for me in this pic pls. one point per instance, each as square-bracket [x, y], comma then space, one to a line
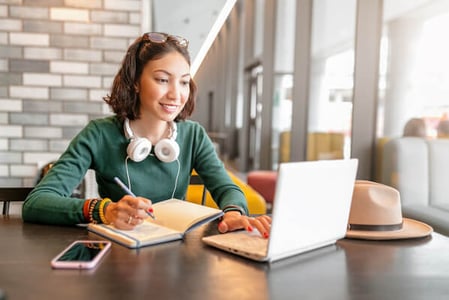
[92, 204]
[86, 210]
[101, 209]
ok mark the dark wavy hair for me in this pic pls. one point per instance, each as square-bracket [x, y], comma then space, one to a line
[123, 99]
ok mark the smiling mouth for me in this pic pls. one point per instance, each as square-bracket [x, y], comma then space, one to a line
[169, 107]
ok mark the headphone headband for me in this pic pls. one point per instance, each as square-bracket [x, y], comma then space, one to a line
[173, 130]
[128, 132]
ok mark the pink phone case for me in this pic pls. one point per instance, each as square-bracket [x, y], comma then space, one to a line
[81, 254]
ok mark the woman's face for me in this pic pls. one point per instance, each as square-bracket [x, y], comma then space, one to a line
[164, 87]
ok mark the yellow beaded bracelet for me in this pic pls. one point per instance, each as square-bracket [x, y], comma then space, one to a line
[101, 209]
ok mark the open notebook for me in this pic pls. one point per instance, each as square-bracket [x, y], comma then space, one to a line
[311, 210]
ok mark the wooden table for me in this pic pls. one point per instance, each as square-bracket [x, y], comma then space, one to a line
[352, 269]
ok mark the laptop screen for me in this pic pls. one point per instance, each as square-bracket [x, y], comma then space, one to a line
[311, 205]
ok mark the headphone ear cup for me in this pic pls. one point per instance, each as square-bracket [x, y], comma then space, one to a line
[138, 149]
[166, 150]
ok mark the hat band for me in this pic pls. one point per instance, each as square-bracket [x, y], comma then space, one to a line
[364, 227]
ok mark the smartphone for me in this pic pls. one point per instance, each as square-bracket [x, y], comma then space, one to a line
[81, 254]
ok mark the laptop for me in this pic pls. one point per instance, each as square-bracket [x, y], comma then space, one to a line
[311, 210]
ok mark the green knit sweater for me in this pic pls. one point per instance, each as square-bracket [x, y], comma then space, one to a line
[101, 146]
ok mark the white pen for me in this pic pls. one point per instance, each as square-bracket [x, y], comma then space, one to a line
[128, 191]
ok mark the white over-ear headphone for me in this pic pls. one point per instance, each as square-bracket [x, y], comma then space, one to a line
[166, 150]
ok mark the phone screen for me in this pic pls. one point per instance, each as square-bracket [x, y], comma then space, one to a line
[81, 255]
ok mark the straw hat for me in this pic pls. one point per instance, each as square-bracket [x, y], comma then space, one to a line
[376, 214]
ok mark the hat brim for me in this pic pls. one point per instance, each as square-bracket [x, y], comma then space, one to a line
[410, 229]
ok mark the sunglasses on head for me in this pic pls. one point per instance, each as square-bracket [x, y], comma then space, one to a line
[160, 38]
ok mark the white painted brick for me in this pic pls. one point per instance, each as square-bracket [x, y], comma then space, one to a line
[10, 157]
[69, 94]
[109, 43]
[28, 145]
[103, 69]
[82, 107]
[10, 131]
[113, 56]
[28, 12]
[82, 55]
[82, 81]
[42, 158]
[10, 105]
[27, 65]
[19, 118]
[83, 3]
[43, 132]
[128, 5]
[42, 26]
[3, 144]
[69, 14]
[68, 119]
[135, 18]
[107, 82]
[42, 79]
[42, 106]
[109, 16]
[3, 10]
[42, 53]
[9, 51]
[3, 65]
[23, 170]
[69, 67]
[3, 118]
[121, 30]
[4, 170]
[69, 41]
[3, 38]
[28, 92]
[10, 25]
[59, 145]
[83, 28]
[97, 95]
[29, 39]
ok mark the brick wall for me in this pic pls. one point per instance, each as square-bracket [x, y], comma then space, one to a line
[57, 61]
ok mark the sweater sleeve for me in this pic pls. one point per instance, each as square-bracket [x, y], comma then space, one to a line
[50, 200]
[214, 174]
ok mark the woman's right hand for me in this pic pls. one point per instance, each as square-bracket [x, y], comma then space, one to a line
[128, 212]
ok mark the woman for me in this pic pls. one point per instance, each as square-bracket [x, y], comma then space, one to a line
[152, 95]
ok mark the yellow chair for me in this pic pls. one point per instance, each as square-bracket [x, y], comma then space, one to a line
[380, 143]
[320, 145]
[256, 203]
[325, 145]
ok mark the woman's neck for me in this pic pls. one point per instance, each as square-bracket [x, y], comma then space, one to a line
[152, 130]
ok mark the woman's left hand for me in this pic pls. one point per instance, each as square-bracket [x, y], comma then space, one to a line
[233, 220]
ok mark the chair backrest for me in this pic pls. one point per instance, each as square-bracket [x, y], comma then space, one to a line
[415, 127]
[10, 194]
[438, 171]
[195, 179]
[406, 167]
[443, 129]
